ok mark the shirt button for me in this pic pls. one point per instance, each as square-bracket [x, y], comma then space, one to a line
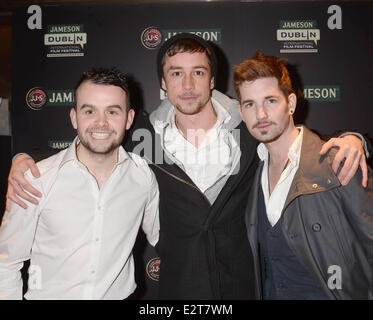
[97, 239]
[93, 272]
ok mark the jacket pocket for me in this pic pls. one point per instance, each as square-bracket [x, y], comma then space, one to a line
[340, 233]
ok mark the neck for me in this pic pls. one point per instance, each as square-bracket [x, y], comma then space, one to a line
[196, 125]
[279, 149]
[205, 119]
[99, 165]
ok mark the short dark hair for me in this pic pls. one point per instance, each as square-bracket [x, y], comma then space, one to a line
[261, 66]
[185, 42]
[106, 76]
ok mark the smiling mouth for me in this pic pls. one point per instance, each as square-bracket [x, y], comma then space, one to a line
[100, 135]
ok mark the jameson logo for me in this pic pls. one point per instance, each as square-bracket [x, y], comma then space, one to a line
[322, 93]
[60, 98]
[297, 24]
[213, 35]
[37, 98]
[59, 144]
[298, 36]
[65, 40]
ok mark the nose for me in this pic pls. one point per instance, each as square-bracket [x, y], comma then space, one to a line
[188, 82]
[102, 120]
[261, 113]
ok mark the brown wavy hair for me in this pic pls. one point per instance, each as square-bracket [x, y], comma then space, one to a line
[261, 66]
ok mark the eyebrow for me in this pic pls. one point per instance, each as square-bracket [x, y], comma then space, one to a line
[86, 106]
[246, 101]
[115, 106]
[179, 67]
[266, 97]
[271, 96]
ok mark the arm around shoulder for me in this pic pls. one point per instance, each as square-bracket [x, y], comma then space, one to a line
[17, 234]
[150, 223]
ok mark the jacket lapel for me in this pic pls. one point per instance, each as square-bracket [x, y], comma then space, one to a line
[314, 173]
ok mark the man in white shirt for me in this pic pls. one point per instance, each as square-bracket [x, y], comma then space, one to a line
[311, 237]
[95, 196]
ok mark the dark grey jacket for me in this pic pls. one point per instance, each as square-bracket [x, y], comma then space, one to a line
[324, 224]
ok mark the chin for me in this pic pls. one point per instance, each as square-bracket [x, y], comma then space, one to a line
[189, 109]
[269, 139]
[265, 137]
[103, 149]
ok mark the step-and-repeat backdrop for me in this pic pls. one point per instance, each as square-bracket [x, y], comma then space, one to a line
[329, 46]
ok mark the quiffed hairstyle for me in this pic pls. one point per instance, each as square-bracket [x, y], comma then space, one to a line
[185, 42]
[261, 66]
[106, 76]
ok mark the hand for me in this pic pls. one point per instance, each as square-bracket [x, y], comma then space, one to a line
[17, 184]
[351, 148]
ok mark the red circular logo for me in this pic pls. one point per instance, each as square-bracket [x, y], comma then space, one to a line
[151, 38]
[36, 98]
[153, 268]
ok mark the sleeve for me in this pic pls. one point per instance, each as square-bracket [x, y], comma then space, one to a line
[358, 202]
[150, 223]
[17, 234]
[37, 154]
[367, 145]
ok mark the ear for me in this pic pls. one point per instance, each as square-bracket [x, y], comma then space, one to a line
[164, 87]
[130, 117]
[212, 83]
[292, 103]
[73, 118]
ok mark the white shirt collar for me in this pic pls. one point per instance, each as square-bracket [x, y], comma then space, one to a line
[71, 155]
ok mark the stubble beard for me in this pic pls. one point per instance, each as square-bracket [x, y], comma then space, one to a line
[190, 111]
[192, 108]
[94, 150]
[261, 136]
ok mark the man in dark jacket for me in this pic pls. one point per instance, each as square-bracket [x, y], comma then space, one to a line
[204, 161]
[311, 237]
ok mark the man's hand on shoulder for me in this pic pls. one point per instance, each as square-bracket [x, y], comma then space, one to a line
[18, 185]
[350, 148]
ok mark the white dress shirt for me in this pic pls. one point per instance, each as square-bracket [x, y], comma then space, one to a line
[275, 202]
[212, 159]
[79, 238]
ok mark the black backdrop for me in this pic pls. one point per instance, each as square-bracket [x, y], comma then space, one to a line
[331, 52]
